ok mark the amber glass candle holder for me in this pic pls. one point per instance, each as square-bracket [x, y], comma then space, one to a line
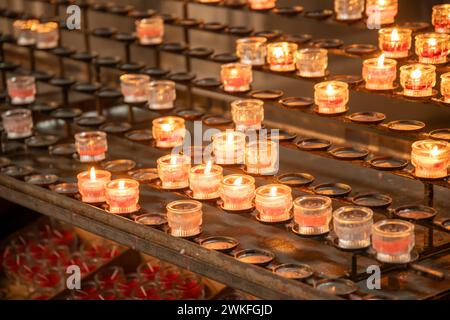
[312, 214]
[348, 9]
[445, 86]
[262, 157]
[237, 192]
[18, 123]
[312, 62]
[21, 89]
[122, 196]
[331, 97]
[161, 94]
[204, 181]
[262, 4]
[236, 77]
[379, 73]
[432, 48]
[168, 132]
[353, 226]
[380, 12]
[229, 147]
[418, 80]
[47, 35]
[393, 240]
[395, 42]
[91, 145]
[173, 170]
[252, 50]
[184, 218]
[91, 185]
[430, 158]
[247, 114]
[150, 30]
[281, 56]
[441, 18]
[134, 87]
[273, 202]
[23, 31]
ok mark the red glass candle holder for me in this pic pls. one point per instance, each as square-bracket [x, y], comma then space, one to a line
[91, 145]
[281, 56]
[237, 192]
[122, 196]
[331, 97]
[18, 123]
[418, 80]
[150, 31]
[379, 73]
[432, 48]
[173, 170]
[91, 185]
[312, 214]
[204, 181]
[393, 240]
[441, 18]
[134, 87]
[21, 89]
[395, 42]
[236, 77]
[273, 202]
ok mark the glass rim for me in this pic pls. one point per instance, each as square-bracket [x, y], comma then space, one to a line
[252, 40]
[284, 44]
[168, 120]
[367, 211]
[420, 144]
[326, 201]
[214, 167]
[87, 135]
[21, 78]
[445, 76]
[431, 35]
[286, 190]
[388, 31]
[20, 112]
[423, 67]
[166, 83]
[376, 227]
[312, 50]
[441, 6]
[236, 65]
[243, 104]
[138, 77]
[249, 180]
[387, 62]
[221, 135]
[149, 19]
[324, 85]
[172, 206]
[131, 183]
[98, 172]
[166, 159]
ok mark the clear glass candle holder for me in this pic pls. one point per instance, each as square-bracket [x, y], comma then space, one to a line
[432, 48]
[184, 218]
[236, 77]
[173, 170]
[445, 86]
[262, 4]
[18, 123]
[352, 226]
[23, 31]
[379, 73]
[430, 158]
[312, 62]
[229, 147]
[21, 89]
[204, 181]
[168, 132]
[47, 35]
[91, 145]
[252, 50]
[273, 202]
[91, 185]
[134, 87]
[395, 42]
[348, 9]
[248, 114]
[161, 94]
[417, 80]
[122, 196]
[312, 214]
[150, 30]
[380, 12]
[393, 240]
[262, 157]
[331, 97]
[441, 18]
[237, 192]
[281, 56]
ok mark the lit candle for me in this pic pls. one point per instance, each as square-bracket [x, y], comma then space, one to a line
[150, 30]
[204, 181]
[348, 9]
[91, 185]
[237, 192]
[312, 214]
[441, 18]
[273, 202]
[430, 158]
[281, 56]
[251, 50]
[168, 132]
[236, 77]
[184, 218]
[122, 196]
[23, 31]
[381, 12]
[312, 62]
[445, 86]
[353, 226]
[379, 73]
[395, 42]
[18, 123]
[393, 240]
[418, 80]
[432, 48]
[161, 94]
[91, 145]
[262, 4]
[21, 89]
[173, 170]
[47, 35]
[134, 87]
[331, 97]
[247, 114]
[261, 157]
[229, 147]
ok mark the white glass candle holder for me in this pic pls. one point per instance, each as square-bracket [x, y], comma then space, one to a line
[21, 89]
[393, 240]
[122, 196]
[441, 18]
[247, 114]
[380, 12]
[262, 4]
[348, 9]
[134, 87]
[379, 73]
[91, 145]
[273, 202]
[331, 97]
[204, 181]
[47, 35]
[23, 31]
[262, 157]
[353, 226]
[18, 123]
[395, 42]
[161, 94]
[252, 50]
[418, 80]
[173, 170]
[236, 77]
[432, 48]
[445, 86]
[430, 158]
[150, 30]
[312, 214]
[91, 185]
[168, 132]
[229, 147]
[312, 62]
[184, 218]
[281, 56]
[237, 192]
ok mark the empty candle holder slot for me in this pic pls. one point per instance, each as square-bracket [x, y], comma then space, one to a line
[161, 94]
[134, 87]
[312, 62]
[236, 77]
[352, 226]
[21, 89]
[430, 158]
[312, 214]
[237, 192]
[122, 196]
[432, 48]
[168, 132]
[91, 146]
[173, 170]
[273, 202]
[184, 218]
[417, 80]
[150, 31]
[252, 50]
[18, 123]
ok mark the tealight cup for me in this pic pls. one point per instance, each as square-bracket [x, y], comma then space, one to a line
[331, 97]
[23, 31]
[150, 30]
[247, 114]
[380, 12]
[430, 158]
[312, 214]
[236, 77]
[348, 9]
[445, 86]
[432, 48]
[168, 132]
[417, 80]
[18, 123]
[161, 94]
[91, 145]
[184, 218]
[353, 225]
[252, 50]
[134, 87]
[173, 170]
[273, 202]
[441, 18]
[237, 192]
[312, 62]
[47, 35]
[122, 196]
[229, 147]
[204, 181]
[281, 56]
[21, 89]
[395, 42]
[262, 157]
[393, 240]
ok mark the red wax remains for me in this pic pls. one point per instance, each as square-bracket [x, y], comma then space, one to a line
[38, 251]
[150, 271]
[391, 247]
[149, 293]
[271, 211]
[330, 103]
[395, 46]
[92, 151]
[20, 93]
[416, 86]
[311, 220]
[149, 32]
[236, 82]
[432, 52]
[87, 294]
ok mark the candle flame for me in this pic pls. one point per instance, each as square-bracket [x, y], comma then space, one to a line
[432, 42]
[273, 191]
[238, 181]
[208, 167]
[121, 184]
[435, 151]
[230, 138]
[330, 89]
[92, 174]
[380, 61]
[394, 35]
[381, 2]
[416, 73]
[278, 52]
[166, 126]
[173, 160]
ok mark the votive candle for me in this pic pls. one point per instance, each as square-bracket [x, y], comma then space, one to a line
[161, 94]
[18, 123]
[353, 226]
[204, 181]
[331, 97]
[262, 157]
[430, 158]
[262, 4]
[229, 147]
[21, 89]
[252, 50]
[312, 214]
[134, 87]
[445, 86]
[47, 35]
[91, 145]
[91, 185]
[393, 240]
[432, 48]
[395, 42]
[237, 192]
[379, 73]
[236, 77]
[23, 31]
[247, 114]
[418, 80]
[281, 56]
[150, 30]
[122, 196]
[184, 218]
[381, 12]
[273, 202]
[168, 132]
[441, 18]
[312, 62]
[348, 9]
[173, 170]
